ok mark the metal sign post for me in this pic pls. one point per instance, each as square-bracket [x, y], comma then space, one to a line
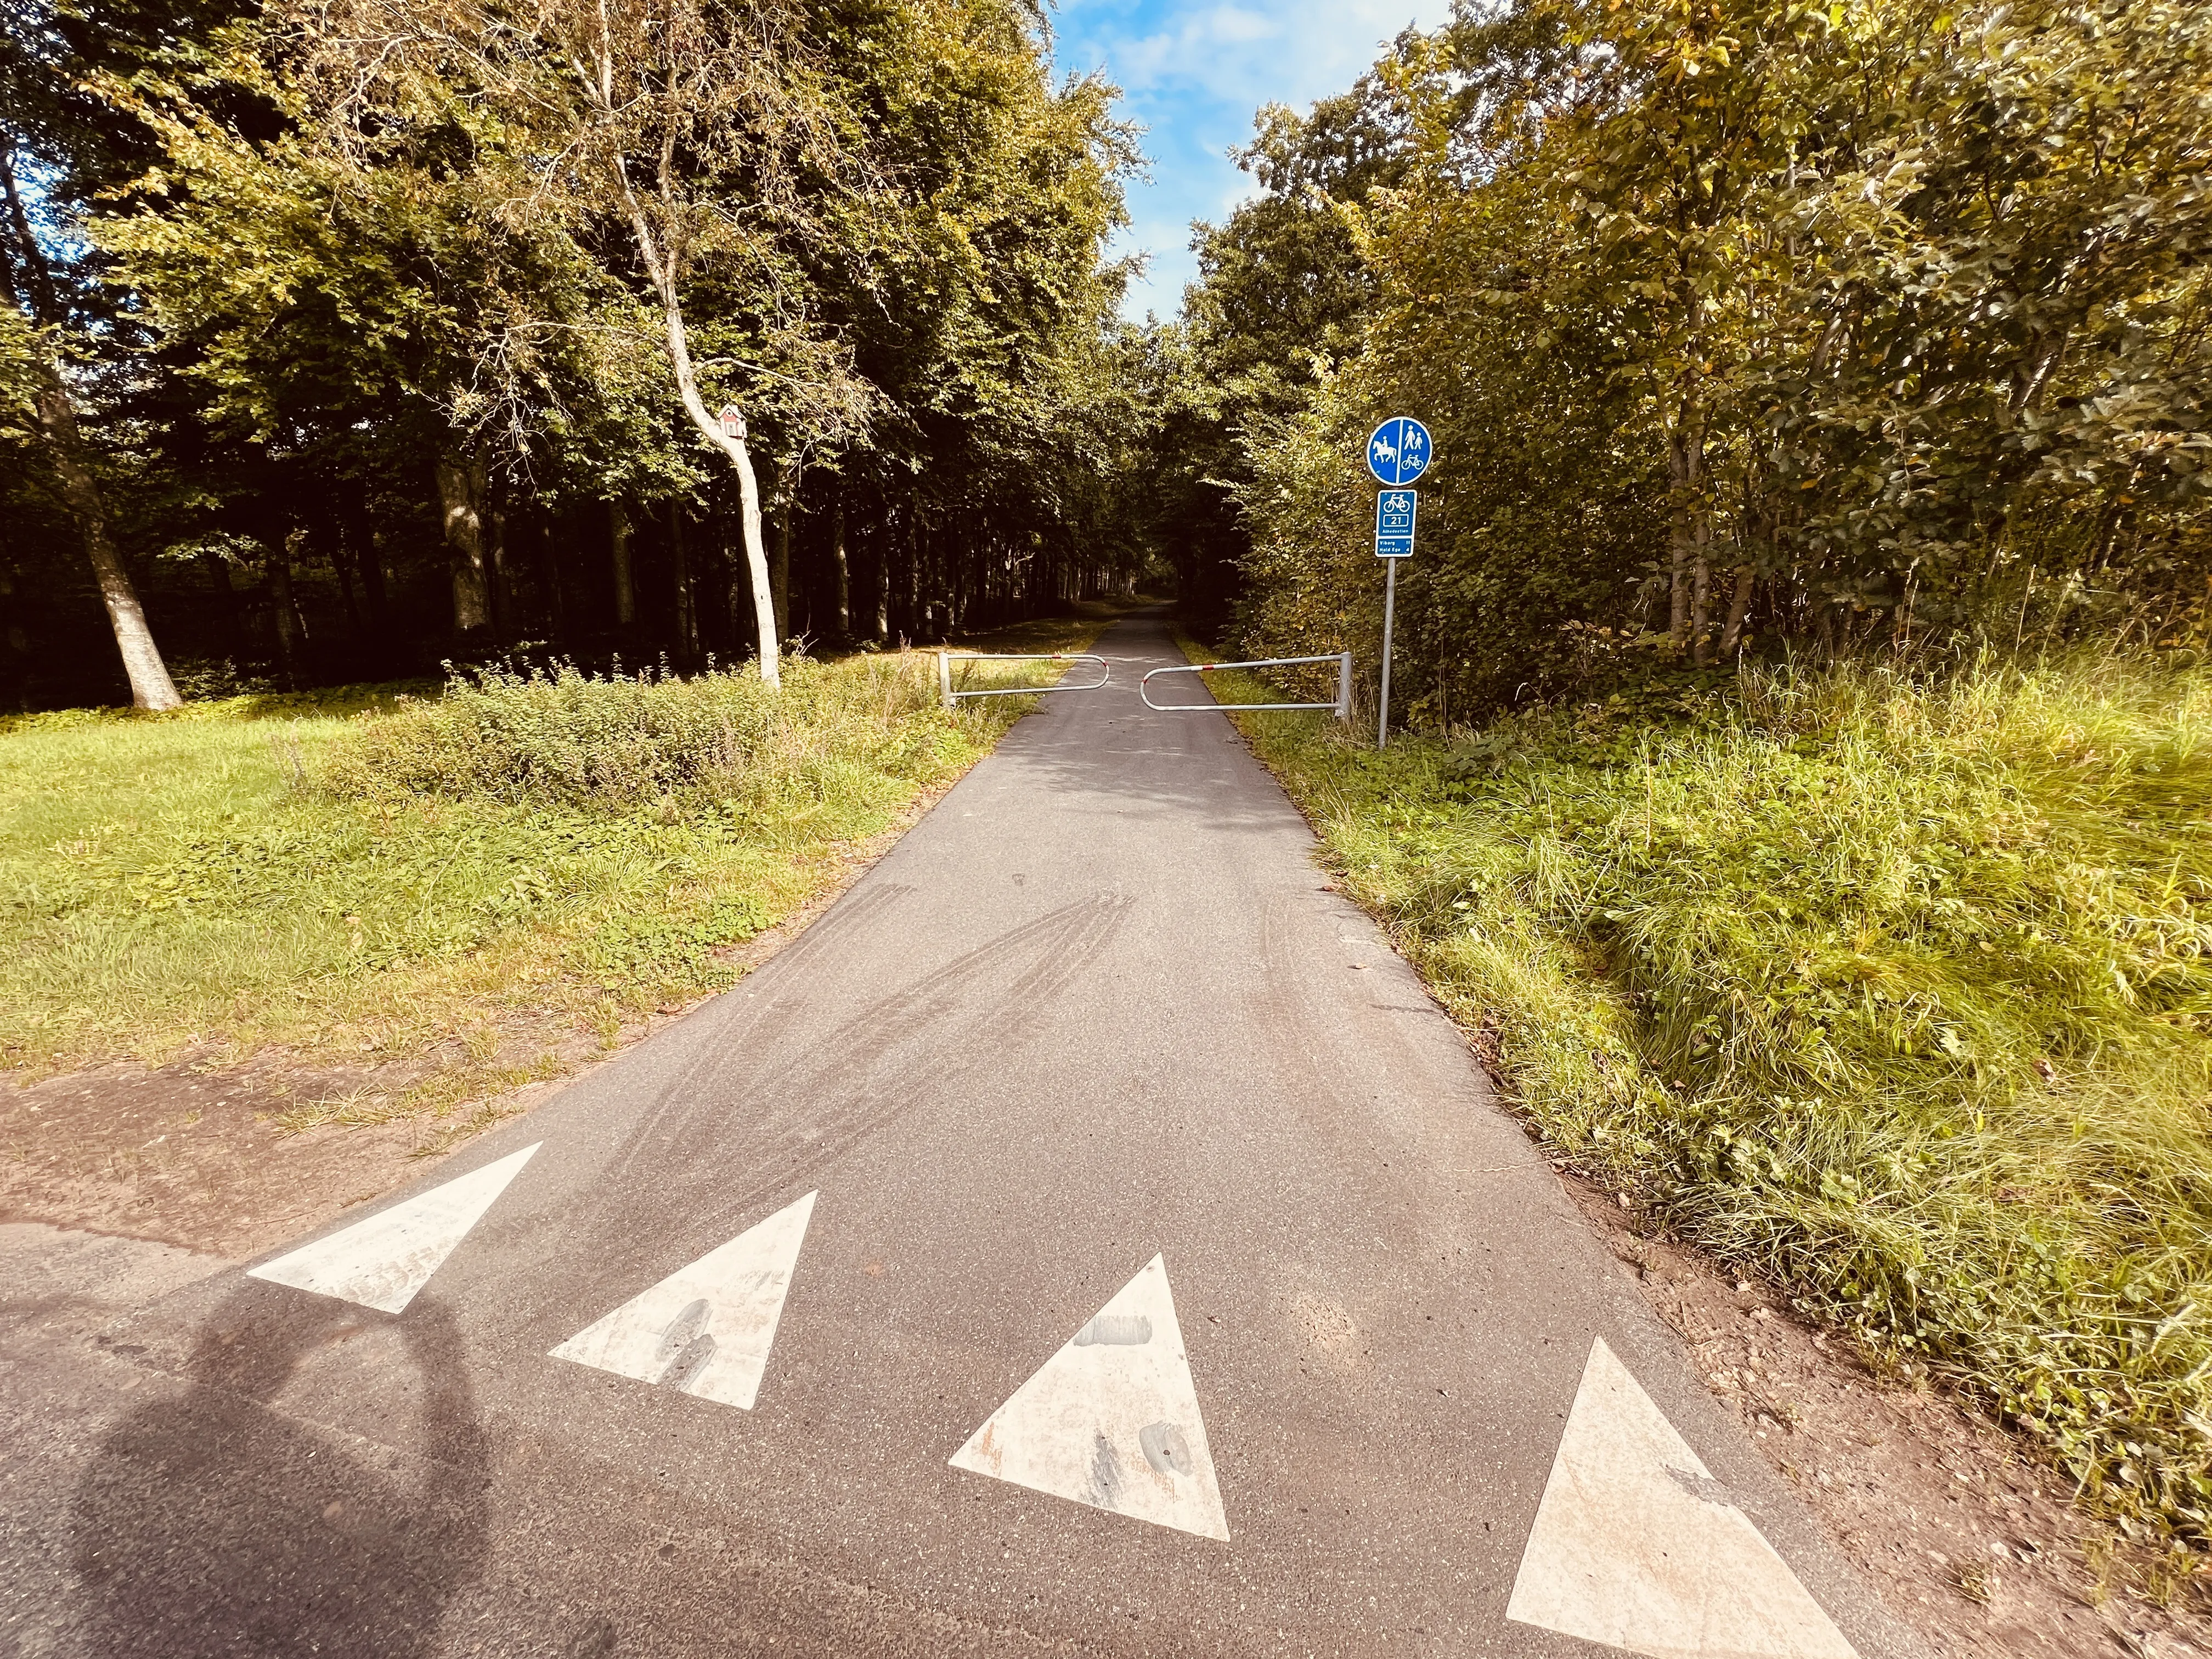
[1389, 615]
[1397, 454]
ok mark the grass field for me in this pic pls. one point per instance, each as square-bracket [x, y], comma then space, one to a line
[377, 872]
[1896, 994]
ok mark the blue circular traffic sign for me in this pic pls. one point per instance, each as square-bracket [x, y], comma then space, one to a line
[1397, 453]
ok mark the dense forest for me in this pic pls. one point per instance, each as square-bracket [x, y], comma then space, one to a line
[346, 338]
[1741, 326]
[350, 337]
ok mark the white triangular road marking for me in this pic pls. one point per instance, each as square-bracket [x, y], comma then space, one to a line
[382, 1261]
[1636, 1546]
[706, 1330]
[1112, 1419]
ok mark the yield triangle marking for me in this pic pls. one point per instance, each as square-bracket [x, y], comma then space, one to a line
[382, 1261]
[1636, 1546]
[1112, 1419]
[707, 1329]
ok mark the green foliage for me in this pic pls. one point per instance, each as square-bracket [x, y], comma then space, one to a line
[1898, 993]
[383, 373]
[1282, 290]
[568, 738]
[1750, 322]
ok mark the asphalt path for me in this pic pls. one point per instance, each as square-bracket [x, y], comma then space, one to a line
[1087, 1237]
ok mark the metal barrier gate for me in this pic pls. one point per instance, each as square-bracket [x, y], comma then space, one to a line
[1341, 707]
[944, 661]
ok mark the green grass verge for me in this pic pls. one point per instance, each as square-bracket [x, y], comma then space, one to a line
[1894, 994]
[376, 874]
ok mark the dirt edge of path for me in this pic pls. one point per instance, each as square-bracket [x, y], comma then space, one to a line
[192, 1153]
[1970, 1537]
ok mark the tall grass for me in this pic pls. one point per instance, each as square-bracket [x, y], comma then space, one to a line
[566, 739]
[1897, 993]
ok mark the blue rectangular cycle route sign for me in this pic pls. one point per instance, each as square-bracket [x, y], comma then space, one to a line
[1393, 524]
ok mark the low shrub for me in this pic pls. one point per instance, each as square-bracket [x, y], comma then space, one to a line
[561, 737]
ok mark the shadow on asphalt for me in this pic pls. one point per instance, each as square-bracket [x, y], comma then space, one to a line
[214, 1521]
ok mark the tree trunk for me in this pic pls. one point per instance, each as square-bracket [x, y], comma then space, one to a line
[912, 630]
[234, 623]
[618, 551]
[16, 641]
[505, 626]
[461, 498]
[883, 632]
[357, 546]
[55, 427]
[779, 572]
[343, 569]
[1738, 608]
[661, 267]
[549, 556]
[779, 580]
[687, 616]
[284, 610]
[732, 444]
[376, 603]
[842, 565]
[1701, 598]
[1680, 539]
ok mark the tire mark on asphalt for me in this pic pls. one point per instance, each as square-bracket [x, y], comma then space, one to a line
[732, 1021]
[725, 1134]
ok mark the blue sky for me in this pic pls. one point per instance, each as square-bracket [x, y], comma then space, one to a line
[1193, 74]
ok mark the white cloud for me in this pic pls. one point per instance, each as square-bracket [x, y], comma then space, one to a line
[1194, 74]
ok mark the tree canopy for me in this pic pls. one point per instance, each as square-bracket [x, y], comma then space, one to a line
[1747, 326]
[421, 332]
[359, 334]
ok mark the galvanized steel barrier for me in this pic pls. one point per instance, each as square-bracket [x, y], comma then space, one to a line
[1341, 707]
[945, 659]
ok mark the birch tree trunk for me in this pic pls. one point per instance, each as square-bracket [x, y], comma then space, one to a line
[54, 427]
[662, 269]
[460, 502]
[732, 444]
[59, 435]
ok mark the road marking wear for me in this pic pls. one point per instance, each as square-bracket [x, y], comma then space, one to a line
[383, 1261]
[1636, 1546]
[707, 1329]
[1112, 1419]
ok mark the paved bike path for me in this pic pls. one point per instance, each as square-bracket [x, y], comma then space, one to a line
[1088, 1237]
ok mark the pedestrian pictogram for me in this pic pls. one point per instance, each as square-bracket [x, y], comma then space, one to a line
[1399, 452]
